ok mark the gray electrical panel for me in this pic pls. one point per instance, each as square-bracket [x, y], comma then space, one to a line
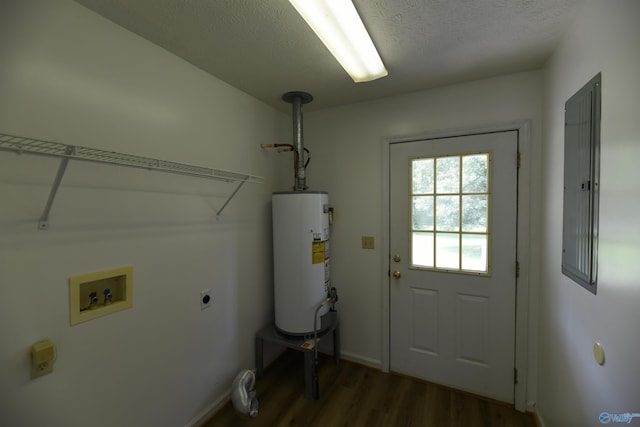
[581, 185]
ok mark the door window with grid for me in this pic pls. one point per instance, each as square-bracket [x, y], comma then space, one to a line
[450, 213]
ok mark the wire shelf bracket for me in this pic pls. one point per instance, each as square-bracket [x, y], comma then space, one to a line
[66, 152]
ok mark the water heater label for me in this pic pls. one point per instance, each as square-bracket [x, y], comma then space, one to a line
[317, 253]
[325, 233]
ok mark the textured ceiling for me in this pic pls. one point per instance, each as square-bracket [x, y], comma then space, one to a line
[264, 48]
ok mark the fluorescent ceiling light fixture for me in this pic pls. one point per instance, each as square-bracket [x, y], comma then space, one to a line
[338, 25]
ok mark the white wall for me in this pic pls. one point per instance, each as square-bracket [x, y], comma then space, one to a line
[346, 152]
[573, 390]
[68, 75]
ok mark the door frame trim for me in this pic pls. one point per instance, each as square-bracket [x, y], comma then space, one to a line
[523, 127]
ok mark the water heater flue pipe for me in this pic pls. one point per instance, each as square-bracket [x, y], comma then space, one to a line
[297, 99]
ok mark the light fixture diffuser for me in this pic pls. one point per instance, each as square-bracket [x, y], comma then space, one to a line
[338, 25]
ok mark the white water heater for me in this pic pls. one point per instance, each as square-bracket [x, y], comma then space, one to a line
[301, 259]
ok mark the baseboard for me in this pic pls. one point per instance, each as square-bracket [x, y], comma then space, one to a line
[209, 410]
[537, 418]
[373, 363]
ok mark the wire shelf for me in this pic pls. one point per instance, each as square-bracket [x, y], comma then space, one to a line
[67, 152]
[55, 149]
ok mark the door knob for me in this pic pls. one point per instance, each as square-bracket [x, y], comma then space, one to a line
[396, 258]
[397, 274]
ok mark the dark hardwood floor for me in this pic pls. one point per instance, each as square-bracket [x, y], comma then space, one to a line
[355, 395]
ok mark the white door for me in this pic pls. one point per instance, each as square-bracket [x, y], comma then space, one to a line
[453, 212]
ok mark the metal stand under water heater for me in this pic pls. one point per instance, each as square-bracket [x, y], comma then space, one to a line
[303, 296]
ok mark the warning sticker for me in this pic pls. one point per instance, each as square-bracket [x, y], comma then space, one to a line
[317, 253]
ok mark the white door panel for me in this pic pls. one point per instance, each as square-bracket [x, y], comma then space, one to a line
[455, 328]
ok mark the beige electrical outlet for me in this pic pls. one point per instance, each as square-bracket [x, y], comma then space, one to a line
[96, 294]
[43, 354]
[368, 242]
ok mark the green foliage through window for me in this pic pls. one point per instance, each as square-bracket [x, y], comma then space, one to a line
[450, 212]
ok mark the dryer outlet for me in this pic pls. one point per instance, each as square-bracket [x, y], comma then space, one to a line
[205, 299]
